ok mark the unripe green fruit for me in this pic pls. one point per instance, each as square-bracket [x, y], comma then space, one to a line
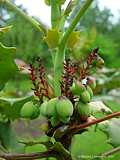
[54, 121]
[65, 119]
[36, 113]
[77, 88]
[27, 110]
[83, 109]
[51, 107]
[91, 82]
[90, 91]
[43, 109]
[64, 107]
[85, 97]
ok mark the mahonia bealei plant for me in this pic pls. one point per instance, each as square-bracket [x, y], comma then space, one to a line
[64, 97]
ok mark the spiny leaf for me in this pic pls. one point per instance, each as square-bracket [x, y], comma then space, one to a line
[52, 38]
[8, 67]
[112, 129]
[11, 106]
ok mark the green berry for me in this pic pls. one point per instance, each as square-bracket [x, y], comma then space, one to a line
[43, 109]
[36, 113]
[64, 107]
[83, 109]
[51, 107]
[85, 96]
[77, 88]
[54, 121]
[27, 110]
[90, 91]
[65, 119]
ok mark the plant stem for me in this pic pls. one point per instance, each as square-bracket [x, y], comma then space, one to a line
[55, 13]
[76, 128]
[59, 58]
[29, 156]
[58, 68]
[37, 25]
[112, 151]
[57, 151]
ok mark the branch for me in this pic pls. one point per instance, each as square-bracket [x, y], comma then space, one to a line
[37, 25]
[112, 151]
[55, 13]
[29, 156]
[76, 128]
[57, 150]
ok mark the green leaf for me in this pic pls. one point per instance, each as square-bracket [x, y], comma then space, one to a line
[89, 144]
[112, 129]
[8, 138]
[11, 106]
[52, 38]
[8, 67]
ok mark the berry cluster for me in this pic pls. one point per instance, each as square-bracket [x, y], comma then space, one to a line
[76, 92]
